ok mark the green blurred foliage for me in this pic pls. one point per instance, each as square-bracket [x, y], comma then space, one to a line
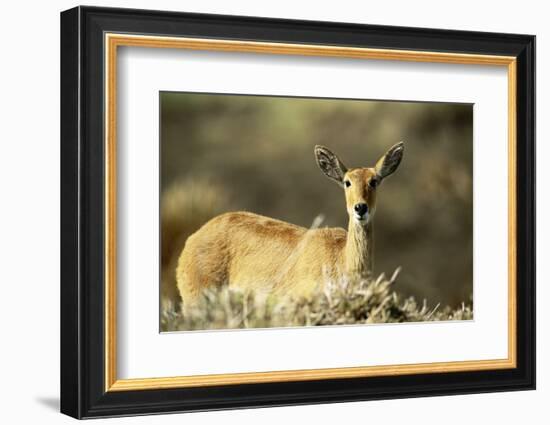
[255, 153]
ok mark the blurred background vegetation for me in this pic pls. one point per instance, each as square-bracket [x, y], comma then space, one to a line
[230, 152]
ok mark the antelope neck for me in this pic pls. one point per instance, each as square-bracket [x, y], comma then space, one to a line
[359, 249]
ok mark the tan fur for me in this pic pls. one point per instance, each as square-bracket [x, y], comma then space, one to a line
[253, 252]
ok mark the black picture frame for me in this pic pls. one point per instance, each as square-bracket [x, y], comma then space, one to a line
[83, 392]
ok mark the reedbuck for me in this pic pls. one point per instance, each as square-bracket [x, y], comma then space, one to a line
[252, 252]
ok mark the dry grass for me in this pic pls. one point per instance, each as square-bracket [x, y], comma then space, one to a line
[336, 303]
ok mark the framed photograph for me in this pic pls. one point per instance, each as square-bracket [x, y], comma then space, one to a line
[222, 178]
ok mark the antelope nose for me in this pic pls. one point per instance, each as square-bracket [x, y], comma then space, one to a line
[361, 209]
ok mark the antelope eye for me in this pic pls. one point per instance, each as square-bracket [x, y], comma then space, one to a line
[347, 183]
[373, 183]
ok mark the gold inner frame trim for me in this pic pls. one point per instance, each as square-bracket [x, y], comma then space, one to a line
[113, 41]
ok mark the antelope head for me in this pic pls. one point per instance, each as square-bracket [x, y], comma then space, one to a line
[360, 184]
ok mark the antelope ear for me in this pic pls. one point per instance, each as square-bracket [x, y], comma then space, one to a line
[390, 161]
[330, 164]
